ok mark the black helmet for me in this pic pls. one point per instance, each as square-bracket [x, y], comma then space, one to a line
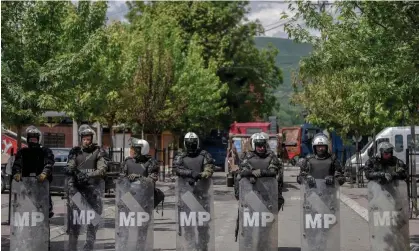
[33, 132]
[191, 142]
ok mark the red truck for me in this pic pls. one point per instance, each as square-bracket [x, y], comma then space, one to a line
[238, 142]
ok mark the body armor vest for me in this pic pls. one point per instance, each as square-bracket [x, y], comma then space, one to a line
[320, 168]
[389, 166]
[194, 163]
[134, 167]
[257, 162]
[32, 161]
[86, 162]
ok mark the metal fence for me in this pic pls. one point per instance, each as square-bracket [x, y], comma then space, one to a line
[411, 158]
[354, 171]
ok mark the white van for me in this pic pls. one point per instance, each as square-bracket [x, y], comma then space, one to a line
[399, 137]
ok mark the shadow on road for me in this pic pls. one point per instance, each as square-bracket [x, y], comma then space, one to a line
[288, 249]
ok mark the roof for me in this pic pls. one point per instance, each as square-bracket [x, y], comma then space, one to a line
[54, 114]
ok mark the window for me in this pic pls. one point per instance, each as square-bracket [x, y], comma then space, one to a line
[253, 130]
[54, 140]
[409, 143]
[398, 139]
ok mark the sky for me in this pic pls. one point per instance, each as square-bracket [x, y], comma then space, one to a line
[268, 13]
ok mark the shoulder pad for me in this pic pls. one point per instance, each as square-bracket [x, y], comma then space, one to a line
[102, 152]
[310, 156]
[203, 153]
[400, 162]
[75, 149]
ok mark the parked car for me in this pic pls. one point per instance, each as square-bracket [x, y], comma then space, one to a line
[58, 170]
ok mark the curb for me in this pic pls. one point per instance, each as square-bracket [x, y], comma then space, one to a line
[355, 206]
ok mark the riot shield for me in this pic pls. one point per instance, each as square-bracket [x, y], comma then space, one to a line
[320, 226]
[388, 216]
[84, 219]
[29, 228]
[194, 215]
[134, 216]
[258, 214]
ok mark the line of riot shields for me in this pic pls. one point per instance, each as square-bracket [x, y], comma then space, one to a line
[85, 224]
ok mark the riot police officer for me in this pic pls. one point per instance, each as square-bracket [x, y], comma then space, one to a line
[190, 166]
[193, 163]
[142, 165]
[261, 162]
[321, 165]
[34, 160]
[385, 167]
[87, 167]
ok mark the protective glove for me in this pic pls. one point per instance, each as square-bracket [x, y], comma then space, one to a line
[387, 177]
[329, 180]
[42, 177]
[256, 173]
[17, 177]
[341, 180]
[205, 175]
[133, 176]
[153, 177]
[252, 180]
[82, 178]
[310, 180]
[195, 175]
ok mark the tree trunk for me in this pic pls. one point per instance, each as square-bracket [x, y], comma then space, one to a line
[413, 164]
[19, 137]
[358, 162]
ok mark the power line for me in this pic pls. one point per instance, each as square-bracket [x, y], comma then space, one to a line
[286, 22]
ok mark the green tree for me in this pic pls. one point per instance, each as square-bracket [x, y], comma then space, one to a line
[228, 44]
[76, 71]
[363, 73]
[166, 81]
[31, 37]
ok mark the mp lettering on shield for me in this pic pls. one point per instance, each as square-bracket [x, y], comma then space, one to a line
[198, 216]
[261, 215]
[85, 215]
[319, 221]
[28, 219]
[386, 218]
[137, 215]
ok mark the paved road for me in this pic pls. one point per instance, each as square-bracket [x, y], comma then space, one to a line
[354, 230]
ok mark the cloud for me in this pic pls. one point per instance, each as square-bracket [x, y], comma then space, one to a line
[267, 12]
[117, 11]
[269, 15]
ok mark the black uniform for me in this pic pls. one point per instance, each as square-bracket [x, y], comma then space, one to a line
[145, 166]
[86, 167]
[194, 165]
[320, 168]
[33, 161]
[270, 166]
[377, 168]
[190, 165]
